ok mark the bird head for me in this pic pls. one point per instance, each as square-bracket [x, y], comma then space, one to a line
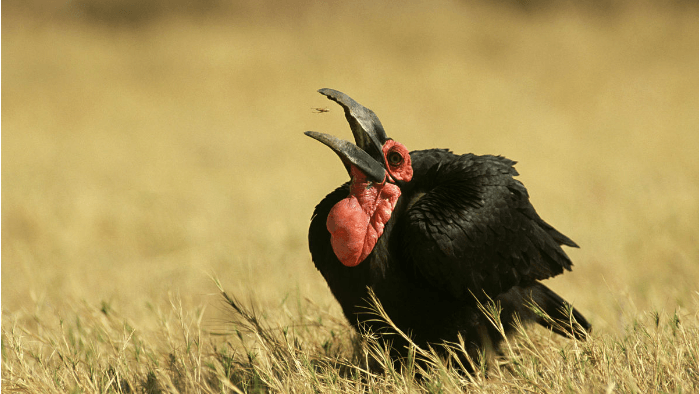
[376, 165]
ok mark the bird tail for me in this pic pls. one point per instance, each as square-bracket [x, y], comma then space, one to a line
[554, 313]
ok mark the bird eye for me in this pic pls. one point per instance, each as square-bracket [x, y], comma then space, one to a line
[394, 158]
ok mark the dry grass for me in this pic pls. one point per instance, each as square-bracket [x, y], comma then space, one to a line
[138, 160]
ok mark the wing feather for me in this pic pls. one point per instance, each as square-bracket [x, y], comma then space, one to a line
[475, 230]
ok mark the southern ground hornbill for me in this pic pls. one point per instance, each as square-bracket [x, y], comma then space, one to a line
[433, 234]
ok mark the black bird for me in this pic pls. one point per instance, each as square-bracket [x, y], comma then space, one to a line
[433, 234]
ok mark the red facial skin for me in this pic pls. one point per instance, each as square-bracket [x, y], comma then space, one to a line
[402, 171]
[357, 222]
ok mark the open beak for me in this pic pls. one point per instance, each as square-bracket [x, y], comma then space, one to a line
[369, 135]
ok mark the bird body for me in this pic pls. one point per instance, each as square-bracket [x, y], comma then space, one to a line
[432, 234]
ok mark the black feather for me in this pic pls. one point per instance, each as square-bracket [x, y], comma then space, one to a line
[463, 232]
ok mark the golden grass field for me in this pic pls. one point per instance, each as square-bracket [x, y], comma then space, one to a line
[142, 159]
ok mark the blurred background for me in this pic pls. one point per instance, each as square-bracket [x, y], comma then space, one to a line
[147, 146]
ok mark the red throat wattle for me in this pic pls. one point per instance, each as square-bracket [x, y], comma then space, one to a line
[357, 222]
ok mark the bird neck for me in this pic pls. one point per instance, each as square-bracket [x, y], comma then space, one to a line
[357, 221]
